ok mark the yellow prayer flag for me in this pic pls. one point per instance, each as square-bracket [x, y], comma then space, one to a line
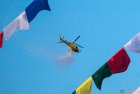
[85, 88]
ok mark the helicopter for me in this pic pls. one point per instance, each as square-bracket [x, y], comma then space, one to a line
[73, 46]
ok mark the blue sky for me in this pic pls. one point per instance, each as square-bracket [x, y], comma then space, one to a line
[29, 61]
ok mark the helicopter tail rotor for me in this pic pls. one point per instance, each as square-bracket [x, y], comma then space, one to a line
[61, 39]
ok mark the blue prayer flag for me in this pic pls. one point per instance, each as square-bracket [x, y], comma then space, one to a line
[74, 92]
[35, 7]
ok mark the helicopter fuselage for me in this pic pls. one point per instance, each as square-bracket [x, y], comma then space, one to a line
[73, 47]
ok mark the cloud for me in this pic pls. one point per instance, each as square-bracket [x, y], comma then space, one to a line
[50, 51]
[66, 58]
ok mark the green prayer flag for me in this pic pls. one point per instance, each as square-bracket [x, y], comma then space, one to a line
[100, 74]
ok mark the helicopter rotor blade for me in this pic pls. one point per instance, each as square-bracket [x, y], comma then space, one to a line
[79, 45]
[76, 39]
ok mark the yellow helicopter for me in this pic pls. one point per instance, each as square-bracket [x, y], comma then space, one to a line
[73, 46]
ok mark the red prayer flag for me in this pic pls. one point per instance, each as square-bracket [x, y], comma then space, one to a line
[119, 62]
[1, 39]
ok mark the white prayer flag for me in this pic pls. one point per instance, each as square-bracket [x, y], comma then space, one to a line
[20, 23]
[134, 44]
[137, 91]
